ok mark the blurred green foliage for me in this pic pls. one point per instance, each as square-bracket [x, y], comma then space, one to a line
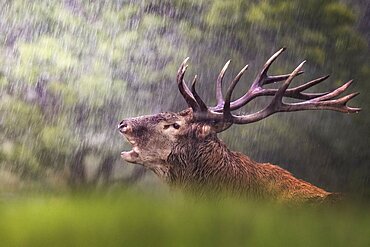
[70, 70]
[131, 220]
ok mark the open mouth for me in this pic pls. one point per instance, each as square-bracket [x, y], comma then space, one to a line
[133, 154]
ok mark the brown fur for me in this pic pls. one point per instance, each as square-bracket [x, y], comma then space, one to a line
[193, 159]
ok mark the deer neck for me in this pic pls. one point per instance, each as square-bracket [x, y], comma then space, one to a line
[198, 164]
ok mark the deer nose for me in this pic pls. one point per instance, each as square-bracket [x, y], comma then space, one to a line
[124, 127]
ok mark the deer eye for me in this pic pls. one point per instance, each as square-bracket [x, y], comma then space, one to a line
[176, 125]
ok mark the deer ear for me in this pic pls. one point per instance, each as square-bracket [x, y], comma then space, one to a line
[203, 131]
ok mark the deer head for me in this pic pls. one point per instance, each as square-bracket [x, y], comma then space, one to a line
[155, 137]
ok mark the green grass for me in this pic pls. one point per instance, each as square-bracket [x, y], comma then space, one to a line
[125, 219]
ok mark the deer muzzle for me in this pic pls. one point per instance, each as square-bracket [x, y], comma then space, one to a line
[126, 129]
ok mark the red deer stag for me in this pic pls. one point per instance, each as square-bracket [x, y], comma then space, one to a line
[183, 149]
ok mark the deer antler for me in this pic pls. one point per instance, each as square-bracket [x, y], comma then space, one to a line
[222, 111]
[263, 79]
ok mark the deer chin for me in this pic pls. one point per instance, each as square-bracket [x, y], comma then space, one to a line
[130, 156]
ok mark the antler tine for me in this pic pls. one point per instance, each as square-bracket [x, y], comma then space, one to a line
[261, 78]
[226, 109]
[339, 105]
[219, 97]
[296, 92]
[277, 100]
[203, 107]
[334, 93]
[311, 83]
[345, 99]
[276, 78]
[184, 90]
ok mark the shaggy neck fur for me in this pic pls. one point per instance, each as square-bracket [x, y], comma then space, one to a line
[209, 168]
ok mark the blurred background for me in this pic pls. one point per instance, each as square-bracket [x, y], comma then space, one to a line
[71, 70]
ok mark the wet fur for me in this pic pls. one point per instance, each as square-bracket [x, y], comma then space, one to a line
[210, 167]
[193, 159]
